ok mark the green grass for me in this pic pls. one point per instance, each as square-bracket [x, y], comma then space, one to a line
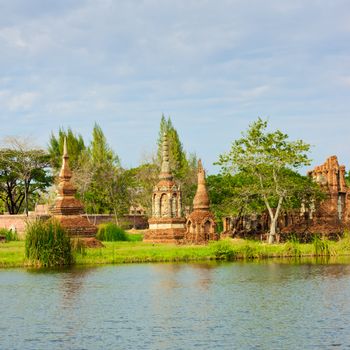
[12, 253]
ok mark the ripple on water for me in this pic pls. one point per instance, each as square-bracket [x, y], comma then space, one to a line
[177, 306]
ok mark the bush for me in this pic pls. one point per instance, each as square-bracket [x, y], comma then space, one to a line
[47, 244]
[10, 235]
[111, 232]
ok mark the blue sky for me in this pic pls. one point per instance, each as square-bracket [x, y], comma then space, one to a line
[213, 66]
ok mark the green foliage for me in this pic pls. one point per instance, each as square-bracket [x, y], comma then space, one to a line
[110, 233]
[321, 245]
[78, 246]
[75, 145]
[223, 250]
[101, 153]
[230, 195]
[10, 235]
[347, 178]
[269, 160]
[47, 244]
[293, 246]
[24, 175]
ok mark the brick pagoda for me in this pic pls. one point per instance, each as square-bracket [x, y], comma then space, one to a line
[67, 209]
[200, 225]
[167, 225]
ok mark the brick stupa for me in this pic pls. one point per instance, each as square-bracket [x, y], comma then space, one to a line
[167, 225]
[200, 225]
[68, 210]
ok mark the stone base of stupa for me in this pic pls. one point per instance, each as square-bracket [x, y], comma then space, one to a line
[165, 230]
[86, 242]
[77, 225]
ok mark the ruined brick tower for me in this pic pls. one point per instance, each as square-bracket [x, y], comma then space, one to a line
[332, 215]
[67, 209]
[200, 225]
[331, 176]
[167, 224]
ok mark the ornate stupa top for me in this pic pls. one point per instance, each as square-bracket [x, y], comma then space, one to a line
[66, 203]
[65, 173]
[201, 199]
[165, 173]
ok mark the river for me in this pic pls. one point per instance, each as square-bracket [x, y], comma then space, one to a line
[241, 305]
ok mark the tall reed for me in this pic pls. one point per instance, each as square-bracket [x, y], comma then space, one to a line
[47, 244]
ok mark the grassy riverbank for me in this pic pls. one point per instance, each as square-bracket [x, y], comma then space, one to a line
[12, 253]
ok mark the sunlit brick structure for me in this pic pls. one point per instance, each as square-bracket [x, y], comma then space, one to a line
[167, 225]
[68, 210]
[200, 225]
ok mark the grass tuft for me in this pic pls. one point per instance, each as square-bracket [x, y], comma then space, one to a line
[47, 244]
[112, 233]
[10, 235]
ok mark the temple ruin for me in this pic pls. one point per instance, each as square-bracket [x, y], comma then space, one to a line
[200, 224]
[67, 209]
[167, 225]
[332, 215]
[329, 217]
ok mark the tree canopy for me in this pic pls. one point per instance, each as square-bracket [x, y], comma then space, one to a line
[24, 174]
[270, 160]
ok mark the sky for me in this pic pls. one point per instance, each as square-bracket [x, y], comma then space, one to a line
[214, 67]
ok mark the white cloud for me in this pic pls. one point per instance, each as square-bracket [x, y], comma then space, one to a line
[23, 101]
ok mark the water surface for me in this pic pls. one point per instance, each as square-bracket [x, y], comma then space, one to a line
[269, 305]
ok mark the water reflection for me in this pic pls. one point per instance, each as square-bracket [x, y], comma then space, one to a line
[266, 305]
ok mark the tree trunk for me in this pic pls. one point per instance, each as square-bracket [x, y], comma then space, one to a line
[116, 217]
[272, 233]
[26, 198]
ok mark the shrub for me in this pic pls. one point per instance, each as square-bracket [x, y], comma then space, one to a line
[111, 232]
[47, 244]
[10, 235]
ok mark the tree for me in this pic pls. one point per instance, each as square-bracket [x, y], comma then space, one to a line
[231, 195]
[75, 144]
[23, 173]
[269, 158]
[100, 180]
[142, 181]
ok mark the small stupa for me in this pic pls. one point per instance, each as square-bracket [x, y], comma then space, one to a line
[200, 224]
[68, 210]
[167, 225]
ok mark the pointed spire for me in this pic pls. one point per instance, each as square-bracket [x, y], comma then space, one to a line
[165, 173]
[65, 173]
[201, 199]
[65, 152]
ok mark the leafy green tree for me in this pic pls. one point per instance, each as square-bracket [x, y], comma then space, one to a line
[230, 195]
[101, 182]
[269, 159]
[24, 174]
[75, 144]
[142, 180]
